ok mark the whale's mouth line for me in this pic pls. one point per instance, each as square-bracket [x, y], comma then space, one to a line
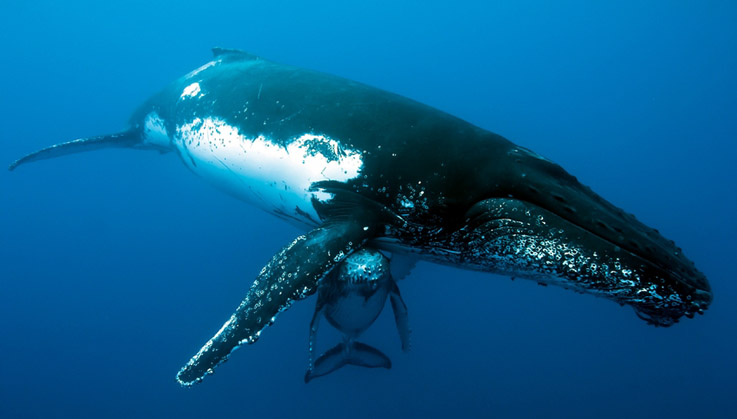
[518, 238]
[523, 238]
[589, 230]
[620, 247]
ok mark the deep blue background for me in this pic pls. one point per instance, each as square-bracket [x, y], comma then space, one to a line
[116, 266]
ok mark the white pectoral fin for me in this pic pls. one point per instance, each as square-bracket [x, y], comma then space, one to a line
[292, 274]
[401, 317]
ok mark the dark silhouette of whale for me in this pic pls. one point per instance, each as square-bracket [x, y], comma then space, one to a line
[355, 165]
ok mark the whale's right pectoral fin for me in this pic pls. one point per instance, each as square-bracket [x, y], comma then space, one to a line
[125, 139]
[401, 317]
[291, 275]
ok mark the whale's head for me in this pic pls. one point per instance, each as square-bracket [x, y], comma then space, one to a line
[547, 226]
[364, 273]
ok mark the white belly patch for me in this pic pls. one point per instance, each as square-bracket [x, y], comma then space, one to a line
[274, 176]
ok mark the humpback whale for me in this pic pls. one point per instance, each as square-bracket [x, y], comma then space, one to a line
[351, 297]
[355, 165]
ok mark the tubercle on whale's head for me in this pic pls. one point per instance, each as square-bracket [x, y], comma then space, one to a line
[671, 286]
[570, 233]
[526, 240]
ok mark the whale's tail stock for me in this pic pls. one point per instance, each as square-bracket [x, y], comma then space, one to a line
[125, 139]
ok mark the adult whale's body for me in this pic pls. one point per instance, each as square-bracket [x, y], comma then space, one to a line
[355, 164]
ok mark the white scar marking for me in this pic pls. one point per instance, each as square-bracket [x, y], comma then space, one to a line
[190, 91]
[274, 175]
[204, 67]
[154, 131]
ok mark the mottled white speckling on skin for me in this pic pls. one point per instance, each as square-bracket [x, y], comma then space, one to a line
[190, 91]
[154, 131]
[275, 177]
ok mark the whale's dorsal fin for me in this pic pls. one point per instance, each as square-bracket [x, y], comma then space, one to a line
[218, 52]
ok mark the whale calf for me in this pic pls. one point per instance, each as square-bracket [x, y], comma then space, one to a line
[351, 297]
[354, 165]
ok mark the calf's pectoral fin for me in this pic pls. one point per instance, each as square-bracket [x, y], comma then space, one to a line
[292, 274]
[314, 324]
[402, 265]
[401, 318]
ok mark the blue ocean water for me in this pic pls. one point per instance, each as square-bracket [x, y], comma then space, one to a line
[115, 266]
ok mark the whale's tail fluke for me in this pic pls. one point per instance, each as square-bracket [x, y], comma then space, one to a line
[347, 353]
[125, 139]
